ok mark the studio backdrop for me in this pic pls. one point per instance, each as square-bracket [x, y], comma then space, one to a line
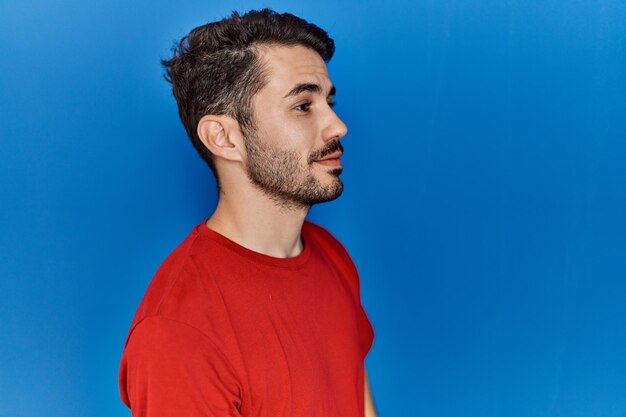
[484, 202]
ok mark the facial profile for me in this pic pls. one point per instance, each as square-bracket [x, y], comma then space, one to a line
[294, 130]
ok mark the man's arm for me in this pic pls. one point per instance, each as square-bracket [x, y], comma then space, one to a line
[172, 369]
[370, 410]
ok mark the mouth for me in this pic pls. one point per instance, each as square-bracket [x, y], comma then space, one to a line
[331, 160]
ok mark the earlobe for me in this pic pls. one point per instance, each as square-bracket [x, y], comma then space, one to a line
[221, 135]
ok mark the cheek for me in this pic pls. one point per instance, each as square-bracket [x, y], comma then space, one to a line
[298, 133]
[287, 128]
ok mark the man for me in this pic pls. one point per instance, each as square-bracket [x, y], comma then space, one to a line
[257, 312]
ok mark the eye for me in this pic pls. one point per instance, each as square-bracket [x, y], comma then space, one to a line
[303, 107]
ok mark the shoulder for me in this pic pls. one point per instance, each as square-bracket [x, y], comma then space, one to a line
[167, 274]
[181, 286]
[333, 249]
[318, 233]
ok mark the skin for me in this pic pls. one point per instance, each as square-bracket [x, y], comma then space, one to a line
[370, 409]
[270, 178]
[286, 178]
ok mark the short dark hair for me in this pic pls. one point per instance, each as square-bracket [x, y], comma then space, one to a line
[215, 69]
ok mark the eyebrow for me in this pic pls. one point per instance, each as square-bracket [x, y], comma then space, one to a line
[312, 88]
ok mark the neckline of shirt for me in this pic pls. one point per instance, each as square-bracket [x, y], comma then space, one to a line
[293, 262]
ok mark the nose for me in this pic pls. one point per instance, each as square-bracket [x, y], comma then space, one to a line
[335, 128]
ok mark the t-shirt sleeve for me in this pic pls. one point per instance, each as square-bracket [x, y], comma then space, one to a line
[366, 330]
[172, 369]
[350, 273]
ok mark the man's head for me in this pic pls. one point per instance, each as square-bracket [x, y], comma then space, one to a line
[216, 69]
[220, 69]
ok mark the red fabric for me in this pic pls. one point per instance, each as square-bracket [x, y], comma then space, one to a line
[226, 331]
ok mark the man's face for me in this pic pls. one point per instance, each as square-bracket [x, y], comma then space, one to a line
[293, 155]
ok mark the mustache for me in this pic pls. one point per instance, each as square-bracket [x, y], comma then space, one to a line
[332, 147]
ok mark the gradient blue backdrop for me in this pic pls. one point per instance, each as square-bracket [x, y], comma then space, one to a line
[484, 204]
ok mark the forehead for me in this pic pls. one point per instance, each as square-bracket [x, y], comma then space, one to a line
[287, 66]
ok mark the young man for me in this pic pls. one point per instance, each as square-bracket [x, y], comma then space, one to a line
[257, 312]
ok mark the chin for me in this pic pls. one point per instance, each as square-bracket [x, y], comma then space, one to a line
[335, 194]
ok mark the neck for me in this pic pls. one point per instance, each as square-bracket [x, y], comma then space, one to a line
[255, 221]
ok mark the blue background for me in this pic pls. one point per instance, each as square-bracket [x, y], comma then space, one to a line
[484, 205]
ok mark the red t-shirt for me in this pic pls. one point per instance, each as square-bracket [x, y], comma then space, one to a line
[226, 331]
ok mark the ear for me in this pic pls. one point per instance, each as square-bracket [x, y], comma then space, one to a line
[222, 136]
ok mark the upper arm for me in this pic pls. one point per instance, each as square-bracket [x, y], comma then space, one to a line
[171, 369]
[370, 409]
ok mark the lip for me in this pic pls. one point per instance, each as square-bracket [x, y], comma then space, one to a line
[331, 160]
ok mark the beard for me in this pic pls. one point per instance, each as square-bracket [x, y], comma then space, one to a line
[285, 178]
